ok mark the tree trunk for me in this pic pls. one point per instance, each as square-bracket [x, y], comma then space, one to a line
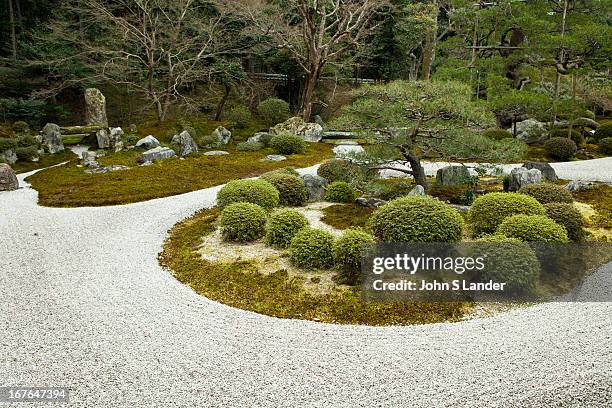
[222, 102]
[13, 33]
[307, 97]
[428, 56]
[418, 172]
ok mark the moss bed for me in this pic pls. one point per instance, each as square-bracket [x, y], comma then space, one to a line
[240, 284]
[46, 160]
[70, 186]
[343, 216]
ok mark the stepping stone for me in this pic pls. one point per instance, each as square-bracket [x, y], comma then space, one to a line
[216, 153]
[274, 157]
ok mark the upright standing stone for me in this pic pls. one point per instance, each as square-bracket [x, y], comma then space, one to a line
[315, 185]
[51, 137]
[95, 107]
[547, 171]
[222, 134]
[521, 177]
[188, 146]
[8, 180]
[103, 137]
[453, 175]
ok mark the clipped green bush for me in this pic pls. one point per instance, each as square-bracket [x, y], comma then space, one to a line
[497, 134]
[239, 116]
[575, 135]
[6, 144]
[291, 189]
[288, 144]
[282, 226]
[273, 111]
[285, 170]
[26, 141]
[339, 170]
[339, 192]
[508, 260]
[242, 222]
[28, 153]
[21, 127]
[603, 131]
[348, 251]
[312, 248]
[417, 219]
[560, 148]
[258, 192]
[605, 145]
[568, 216]
[489, 210]
[547, 193]
[532, 228]
[209, 141]
[249, 146]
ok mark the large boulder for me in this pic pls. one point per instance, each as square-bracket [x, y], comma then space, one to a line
[548, 173]
[453, 175]
[223, 135]
[529, 131]
[8, 179]
[51, 138]
[148, 142]
[315, 185]
[95, 107]
[521, 177]
[347, 149]
[158, 153]
[311, 132]
[188, 146]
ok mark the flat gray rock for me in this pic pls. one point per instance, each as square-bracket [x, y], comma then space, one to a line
[216, 153]
[274, 157]
[106, 169]
[148, 142]
[158, 153]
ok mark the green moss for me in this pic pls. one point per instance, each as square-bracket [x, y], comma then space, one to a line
[69, 186]
[45, 160]
[241, 285]
[342, 216]
[600, 198]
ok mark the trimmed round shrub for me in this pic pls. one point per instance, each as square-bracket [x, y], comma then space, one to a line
[288, 144]
[249, 146]
[312, 248]
[273, 111]
[258, 192]
[547, 193]
[497, 134]
[209, 141]
[560, 148]
[6, 144]
[508, 260]
[338, 170]
[28, 153]
[21, 126]
[568, 216]
[605, 145]
[285, 170]
[388, 189]
[192, 132]
[575, 135]
[242, 222]
[489, 210]
[282, 227]
[603, 131]
[532, 228]
[348, 250]
[417, 219]
[339, 192]
[239, 116]
[291, 189]
[27, 140]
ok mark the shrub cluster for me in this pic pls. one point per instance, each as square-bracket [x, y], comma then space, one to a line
[239, 116]
[489, 210]
[603, 131]
[312, 248]
[339, 192]
[209, 141]
[282, 227]
[26, 141]
[348, 251]
[560, 148]
[575, 135]
[547, 193]
[532, 228]
[273, 111]
[258, 192]
[249, 146]
[605, 145]
[291, 189]
[21, 126]
[288, 144]
[417, 219]
[509, 260]
[497, 134]
[568, 216]
[6, 144]
[285, 170]
[27, 153]
[242, 222]
[339, 170]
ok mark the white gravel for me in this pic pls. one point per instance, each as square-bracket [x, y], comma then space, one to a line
[84, 304]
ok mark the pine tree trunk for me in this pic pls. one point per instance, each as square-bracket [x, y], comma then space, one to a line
[13, 33]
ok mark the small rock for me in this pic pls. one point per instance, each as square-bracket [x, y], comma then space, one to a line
[256, 138]
[315, 185]
[520, 177]
[8, 179]
[418, 190]
[9, 156]
[216, 153]
[188, 146]
[158, 153]
[223, 135]
[51, 137]
[89, 159]
[461, 208]
[347, 149]
[274, 157]
[106, 169]
[147, 163]
[453, 175]
[548, 173]
[148, 142]
[369, 202]
[579, 185]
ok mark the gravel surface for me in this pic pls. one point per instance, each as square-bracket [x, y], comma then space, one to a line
[85, 305]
